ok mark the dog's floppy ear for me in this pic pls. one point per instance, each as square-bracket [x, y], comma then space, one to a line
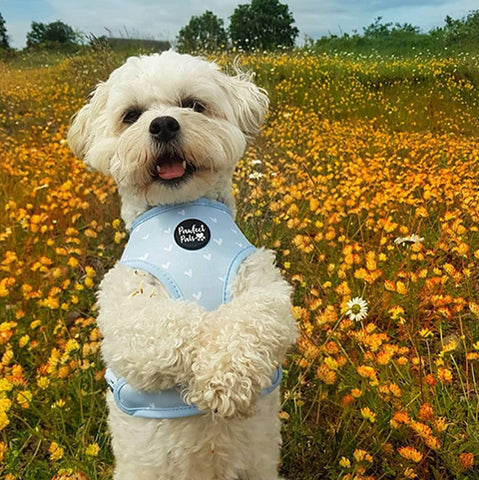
[83, 128]
[250, 103]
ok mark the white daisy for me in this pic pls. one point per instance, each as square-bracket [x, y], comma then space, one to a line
[411, 239]
[255, 175]
[357, 309]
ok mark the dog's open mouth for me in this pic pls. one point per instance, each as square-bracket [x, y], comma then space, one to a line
[173, 168]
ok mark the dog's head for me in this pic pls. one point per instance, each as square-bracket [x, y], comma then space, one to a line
[169, 128]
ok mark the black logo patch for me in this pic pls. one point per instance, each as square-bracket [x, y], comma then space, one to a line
[192, 234]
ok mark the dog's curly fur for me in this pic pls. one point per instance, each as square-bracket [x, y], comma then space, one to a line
[224, 358]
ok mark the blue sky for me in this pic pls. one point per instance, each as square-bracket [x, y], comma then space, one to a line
[161, 19]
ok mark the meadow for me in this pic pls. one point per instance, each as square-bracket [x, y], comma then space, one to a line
[365, 182]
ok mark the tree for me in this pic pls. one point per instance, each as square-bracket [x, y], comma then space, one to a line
[3, 34]
[380, 30]
[51, 35]
[466, 29]
[205, 32]
[262, 24]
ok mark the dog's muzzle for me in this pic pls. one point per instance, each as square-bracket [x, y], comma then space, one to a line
[170, 167]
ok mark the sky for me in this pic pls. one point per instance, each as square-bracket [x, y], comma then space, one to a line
[162, 19]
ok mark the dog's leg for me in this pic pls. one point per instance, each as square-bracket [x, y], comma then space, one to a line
[245, 340]
[125, 471]
[264, 440]
[148, 337]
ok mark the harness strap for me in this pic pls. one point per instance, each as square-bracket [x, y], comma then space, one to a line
[165, 404]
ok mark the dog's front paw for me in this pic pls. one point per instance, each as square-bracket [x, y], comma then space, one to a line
[225, 395]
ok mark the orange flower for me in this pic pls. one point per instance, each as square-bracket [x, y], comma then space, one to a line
[383, 358]
[343, 289]
[432, 442]
[400, 418]
[421, 429]
[425, 412]
[401, 361]
[389, 285]
[331, 348]
[467, 460]
[444, 375]
[395, 390]
[371, 264]
[347, 400]
[326, 375]
[366, 372]
[410, 453]
[70, 475]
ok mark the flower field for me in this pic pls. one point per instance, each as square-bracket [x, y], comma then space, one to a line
[365, 180]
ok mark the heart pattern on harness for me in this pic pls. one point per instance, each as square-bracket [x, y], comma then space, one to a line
[193, 249]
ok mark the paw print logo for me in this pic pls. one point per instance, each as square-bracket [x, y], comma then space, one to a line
[200, 237]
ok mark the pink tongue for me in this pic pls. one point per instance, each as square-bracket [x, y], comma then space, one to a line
[168, 171]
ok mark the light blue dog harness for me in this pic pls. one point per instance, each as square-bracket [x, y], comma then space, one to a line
[183, 245]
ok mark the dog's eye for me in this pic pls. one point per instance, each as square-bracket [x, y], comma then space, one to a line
[131, 116]
[194, 104]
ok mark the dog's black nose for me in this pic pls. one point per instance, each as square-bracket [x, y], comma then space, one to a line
[164, 128]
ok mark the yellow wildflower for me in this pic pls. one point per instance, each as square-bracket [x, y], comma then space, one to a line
[5, 385]
[362, 456]
[56, 451]
[4, 421]
[92, 450]
[356, 393]
[5, 404]
[368, 414]
[410, 473]
[73, 262]
[24, 398]
[401, 288]
[474, 307]
[43, 383]
[3, 450]
[366, 372]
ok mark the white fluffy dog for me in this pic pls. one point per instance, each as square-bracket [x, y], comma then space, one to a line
[170, 129]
